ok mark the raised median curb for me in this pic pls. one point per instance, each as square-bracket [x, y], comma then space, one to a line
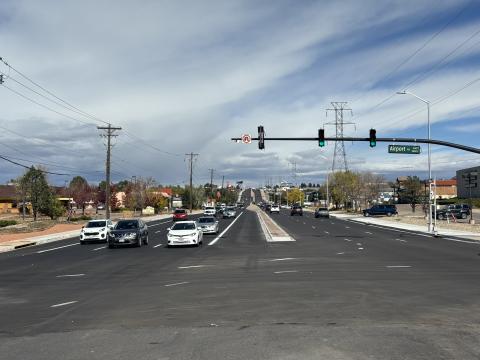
[45, 239]
[407, 227]
[272, 231]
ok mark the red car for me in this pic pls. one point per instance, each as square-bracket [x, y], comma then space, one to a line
[180, 215]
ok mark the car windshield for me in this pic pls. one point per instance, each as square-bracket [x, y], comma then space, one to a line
[96, 224]
[127, 225]
[184, 226]
[230, 209]
[206, 220]
[180, 211]
[209, 208]
[323, 209]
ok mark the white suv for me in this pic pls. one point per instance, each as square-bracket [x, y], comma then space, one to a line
[95, 230]
[275, 209]
[209, 210]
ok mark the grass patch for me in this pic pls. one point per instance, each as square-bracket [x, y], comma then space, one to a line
[4, 223]
[81, 218]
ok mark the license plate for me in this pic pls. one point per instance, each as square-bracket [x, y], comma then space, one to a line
[121, 240]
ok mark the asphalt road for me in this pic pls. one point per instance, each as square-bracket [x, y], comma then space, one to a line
[340, 291]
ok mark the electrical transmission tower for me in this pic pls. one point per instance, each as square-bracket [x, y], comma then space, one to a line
[339, 156]
[109, 133]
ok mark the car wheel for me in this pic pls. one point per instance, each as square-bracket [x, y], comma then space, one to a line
[139, 242]
[146, 241]
[444, 217]
[464, 216]
[389, 214]
[366, 214]
[82, 242]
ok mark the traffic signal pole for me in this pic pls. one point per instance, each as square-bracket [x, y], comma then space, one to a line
[356, 139]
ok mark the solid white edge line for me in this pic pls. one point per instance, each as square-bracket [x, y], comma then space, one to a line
[100, 248]
[56, 248]
[175, 284]
[282, 259]
[192, 266]
[157, 246]
[63, 304]
[224, 231]
[69, 275]
[398, 266]
[285, 271]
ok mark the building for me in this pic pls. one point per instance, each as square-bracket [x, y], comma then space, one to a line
[468, 183]
[446, 189]
[8, 199]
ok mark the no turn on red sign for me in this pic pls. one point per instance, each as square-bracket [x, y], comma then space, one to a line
[246, 139]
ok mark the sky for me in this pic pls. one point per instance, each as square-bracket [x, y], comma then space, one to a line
[186, 76]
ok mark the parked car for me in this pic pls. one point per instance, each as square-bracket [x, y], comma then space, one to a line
[274, 209]
[95, 230]
[229, 212]
[296, 210]
[322, 212]
[208, 224]
[180, 215]
[268, 207]
[209, 210]
[388, 210]
[184, 233]
[128, 232]
[458, 211]
[101, 207]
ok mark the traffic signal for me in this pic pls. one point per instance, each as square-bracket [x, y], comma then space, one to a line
[321, 137]
[373, 137]
[261, 138]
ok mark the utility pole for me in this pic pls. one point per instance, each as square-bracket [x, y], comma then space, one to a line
[109, 133]
[223, 180]
[339, 156]
[211, 181]
[191, 157]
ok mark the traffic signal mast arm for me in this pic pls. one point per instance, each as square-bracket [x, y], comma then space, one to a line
[397, 140]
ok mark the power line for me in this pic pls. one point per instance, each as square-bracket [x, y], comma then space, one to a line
[28, 167]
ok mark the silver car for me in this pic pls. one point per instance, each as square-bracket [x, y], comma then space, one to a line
[208, 224]
[229, 212]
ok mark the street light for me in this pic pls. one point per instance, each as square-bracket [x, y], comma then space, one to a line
[404, 92]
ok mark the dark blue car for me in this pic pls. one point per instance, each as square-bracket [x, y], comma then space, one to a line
[388, 210]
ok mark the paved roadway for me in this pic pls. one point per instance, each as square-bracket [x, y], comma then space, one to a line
[340, 291]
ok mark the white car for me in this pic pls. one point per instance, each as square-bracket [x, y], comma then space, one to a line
[209, 211]
[185, 233]
[208, 224]
[95, 230]
[285, 206]
[275, 209]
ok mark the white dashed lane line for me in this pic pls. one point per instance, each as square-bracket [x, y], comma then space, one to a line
[176, 284]
[56, 248]
[282, 259]
[285, 271]
[157, 246]
[368, 232]
[69, 275]
[100, 248]
[397, 266]
[64, 304]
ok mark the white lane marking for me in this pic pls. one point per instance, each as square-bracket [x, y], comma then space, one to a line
[159, 231]
[304, 223]
[192, 266]
[340, 253]
[347, 239]
[398, 266]
[100, 248]
[56, 248]
[401, 240]
[165, 222]
[157, 246]
[224, 231]
[347, 227]
[285, 271]
[462, 241]
[360, 248]
[332, 223]
[313, 227]
[326, 232]
[282, 259]
[175, 284]
[63, 304]
[368, 232]
[70, 275]
[359, 244]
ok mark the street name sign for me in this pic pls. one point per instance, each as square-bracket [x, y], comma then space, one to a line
[404, 149]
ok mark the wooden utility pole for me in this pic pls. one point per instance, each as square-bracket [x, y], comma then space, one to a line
[109, 133]
[191, 156]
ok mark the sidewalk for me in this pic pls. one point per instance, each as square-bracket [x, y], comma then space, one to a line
[405, 226]
[55, 233]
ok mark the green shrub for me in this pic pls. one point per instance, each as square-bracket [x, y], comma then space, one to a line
[4, 223]
[81, 218]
